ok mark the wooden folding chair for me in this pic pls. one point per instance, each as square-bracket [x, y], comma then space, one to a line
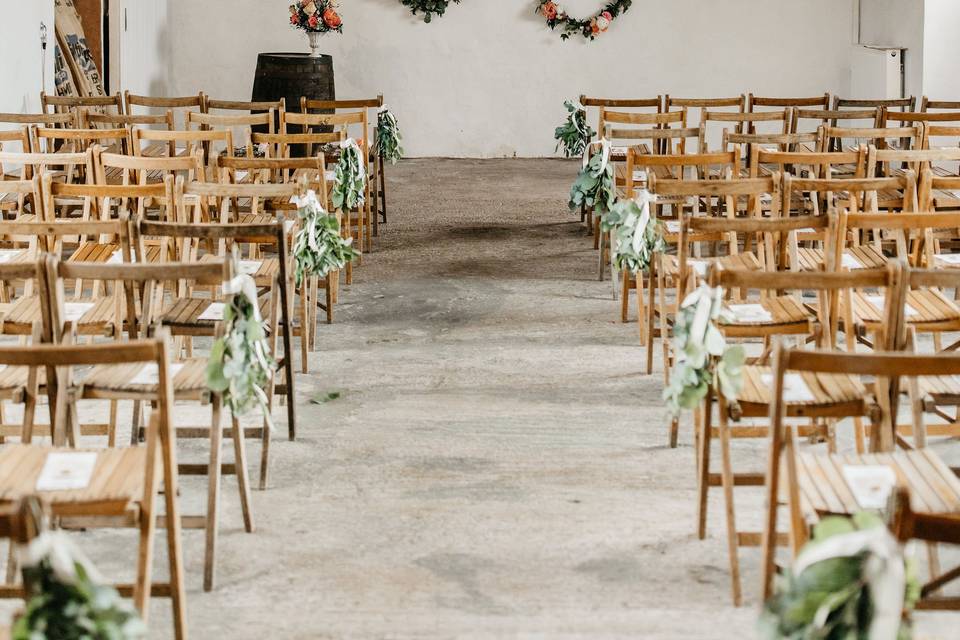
[181, 105]
[66, 120]
[814, 485]
[814, 102]
[772, 122]
[117, 121]
[672, 103]
[75, 105]
[124, 483]
[49, 140]
[115, 382]
[904, 104]
[821, 400]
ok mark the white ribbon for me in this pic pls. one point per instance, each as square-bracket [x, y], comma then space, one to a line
[644, 199]
[604, 149]
[244, 285]
[63, 555]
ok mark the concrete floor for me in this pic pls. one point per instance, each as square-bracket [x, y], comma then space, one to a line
[496, 464]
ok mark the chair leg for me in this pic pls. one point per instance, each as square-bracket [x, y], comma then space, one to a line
[12, 564]
[178, 594]
[728, 480]
[641, 316]
[624, 298]
[243, 479]
[213, 494]
[331, 299]
[703, 468]
[265, 448]
[305, 302]
[651, 320]
[112, 425]
[383, 190]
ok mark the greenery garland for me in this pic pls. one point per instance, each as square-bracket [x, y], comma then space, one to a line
[574, 134]
[703, 358]
[318, 247]
[66, 598]
[350, 177]
[589, 28]
[428, 7]
[388, 137]
[594, 186]
[833, 589]
[638, 234]
[240, 363]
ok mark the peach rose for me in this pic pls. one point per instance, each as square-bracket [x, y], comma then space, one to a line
[549, 10]
[332, 18]
[313, 21]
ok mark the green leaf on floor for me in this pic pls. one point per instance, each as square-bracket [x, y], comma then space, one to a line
[330, 396]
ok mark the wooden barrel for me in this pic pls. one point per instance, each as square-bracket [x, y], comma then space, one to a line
[292, 75]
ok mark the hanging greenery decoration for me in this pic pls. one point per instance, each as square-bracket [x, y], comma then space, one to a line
[703, 358]
[594, 186]
[66, 598]
[589, 28]
[350, 177]
[574, 134]
[637, 234]
[240, 365]
[851, 580]
[318, 247]
[428, 7]
[388, 137]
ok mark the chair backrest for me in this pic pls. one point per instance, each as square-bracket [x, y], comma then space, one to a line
[354, 123]
[644, 104]
[626, 127]
[109, 201]
[747, 122]
[364, 105]
[737, 103]
[15, 140]
[175, 104]
[889, 161]
[241, 126]
[66, 120]
[940, 105]
[879, 136]
[757, 141]
[935, 189]
[224, 194]
[188, 141]
[815, 102]
[118, 120]
[76, 104]
[904, 104]
[820, 117]
[858, 194]
[911, 232]
[76, 166]
[312, 170]
[49, 140]
[146, 169]
[661, 141]
[725, 163]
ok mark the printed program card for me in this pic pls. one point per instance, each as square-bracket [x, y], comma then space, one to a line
[63, 470]
[700, 266]
[871, 485]
[639, 174]
[73, 311]
[952, 259]
[213, 312]
[673, 226]
[848, 261]
[878, 301]
[149, 374]
[795, 388]
[250, 267]
[750, 313]
[8, 255]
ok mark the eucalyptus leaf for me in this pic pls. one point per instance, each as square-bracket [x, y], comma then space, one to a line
[388, 137]
[574, 134]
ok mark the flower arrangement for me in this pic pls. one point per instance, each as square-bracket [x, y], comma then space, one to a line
[318, 247]
[240, 363]
[574, 134]
[589, 28]
[850, 581]
[66, 597]
[316, 16]
[704, 359]
[388, 137]
[428, 7]
[638, 234]
[350, 177]
[594, 186]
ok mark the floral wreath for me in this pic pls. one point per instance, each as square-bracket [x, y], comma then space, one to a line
[428, 7]
[589, 28]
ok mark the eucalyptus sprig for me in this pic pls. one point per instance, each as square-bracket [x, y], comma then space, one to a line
[66, 599]
[574, 134]
[638, 234]
[318, 247]
[388, 137]
[594, 186]
[240, 364]
[428, 7]
[350, 177]
[851, 580]
[703, 358]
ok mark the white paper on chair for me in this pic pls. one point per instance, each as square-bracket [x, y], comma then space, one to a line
[250, 267]
[64, 470]
[795, 388]
[673, 226]
[330, 175]
[117, 257]
[288, 225]
[73, 311]
[7, 255]
[871, 485]
[849, 261]
[213, 312]
[639, 174]
[700, 266]
[743, 313]
[948, 258]
[241, 175]
[618, 151]
[878, 301]
[150, 373]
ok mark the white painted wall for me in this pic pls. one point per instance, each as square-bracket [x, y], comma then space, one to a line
[489, 79]
[140, 47]
[20, 56]
[941, 80]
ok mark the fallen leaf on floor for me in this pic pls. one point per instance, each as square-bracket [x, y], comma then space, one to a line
[327, 397]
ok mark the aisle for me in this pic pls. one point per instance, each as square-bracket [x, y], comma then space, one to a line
[494, 463]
